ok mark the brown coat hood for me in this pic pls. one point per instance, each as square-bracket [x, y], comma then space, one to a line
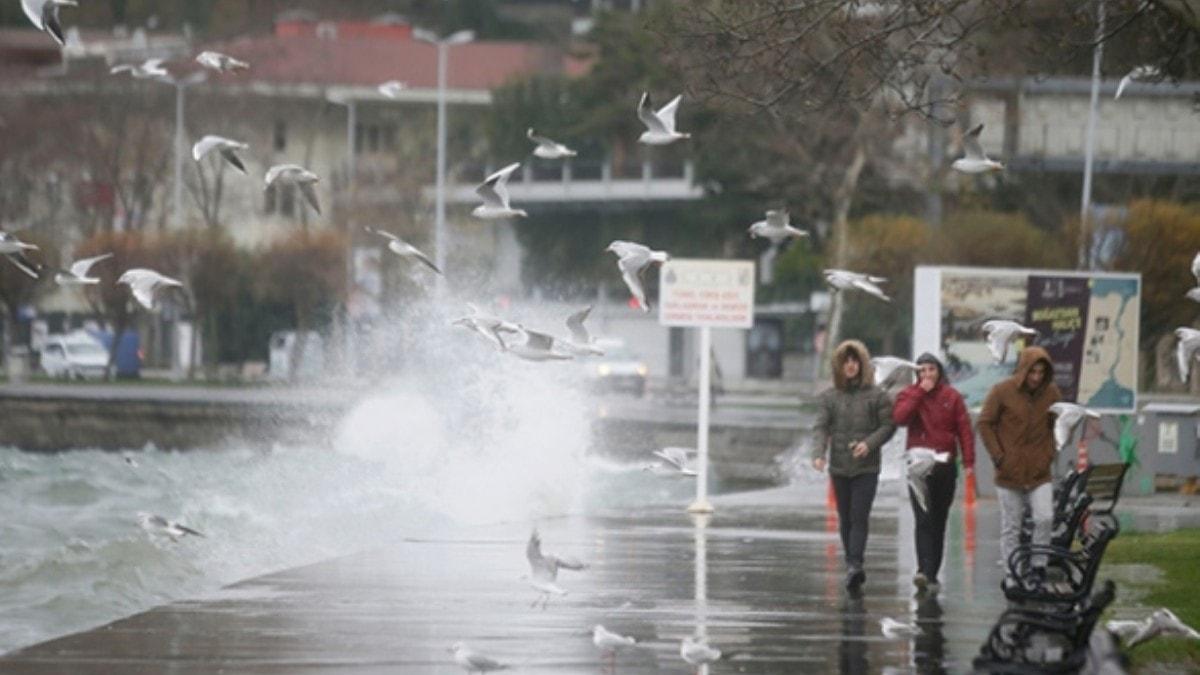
[1025, 361]
[866, 374]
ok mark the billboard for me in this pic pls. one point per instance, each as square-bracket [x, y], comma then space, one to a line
[1086, 321]
[712, 293]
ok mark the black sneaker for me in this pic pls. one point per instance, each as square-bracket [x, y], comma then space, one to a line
[855, 577]
[920, 581]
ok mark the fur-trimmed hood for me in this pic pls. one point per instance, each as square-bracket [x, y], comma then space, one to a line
[866, 375]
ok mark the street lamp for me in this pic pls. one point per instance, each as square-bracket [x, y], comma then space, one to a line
[180, 84]
[1085, 208]
[443, 46]
[351, 184]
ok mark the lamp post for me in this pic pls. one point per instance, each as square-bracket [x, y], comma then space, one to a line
[180, 84]
[1085, 208]
[443, 46]
[351, 185]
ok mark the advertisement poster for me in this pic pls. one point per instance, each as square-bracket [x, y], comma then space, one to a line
[1088, 322]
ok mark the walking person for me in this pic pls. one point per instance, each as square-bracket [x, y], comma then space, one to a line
[1018, 431]
[854, 420]
[937, 418]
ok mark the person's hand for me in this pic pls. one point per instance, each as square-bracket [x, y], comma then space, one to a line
[927, 384]
[819, 463]
[860, 450]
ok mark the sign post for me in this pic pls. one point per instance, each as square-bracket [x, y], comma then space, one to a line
[706, 294]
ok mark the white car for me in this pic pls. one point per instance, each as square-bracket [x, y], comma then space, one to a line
[74, 356]
[618, 370]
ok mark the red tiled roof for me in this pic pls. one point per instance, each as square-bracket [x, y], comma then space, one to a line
[368, 62]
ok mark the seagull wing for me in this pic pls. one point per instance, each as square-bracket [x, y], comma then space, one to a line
[142, 287]
[187, 530]
[1185, 351]
[51, 23]
[868, 287]
[647, 116]
[80, 268]
[538, 340]
[230, 156]
[971, 147]
[667, 113]
[493, 190]
[310, 195]
[419, 255]
[533, 553]
[34, 10]
[24, 264]
[630, 274]
[204, 146]
[575, 325]
[1196, 268]
[1121, 86]
[539, 139]
[674, 455]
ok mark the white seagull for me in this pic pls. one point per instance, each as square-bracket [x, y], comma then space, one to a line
[392, 88]
[632, 260]
[474, 662]
[222, 63]
[494, 192]
[886, 366]
[532, 345]
[44, 15]
[1000, 332]
[920, 463]
[76, 275]
[675, 460]
[14, 249]
[548, 148]
[698, 652]
[1185, 350]
[581, 342]
[1138, 74]
[294, 174]
[775, 228]
[974, 160]
[842, 280]
[609, 642]
[155, 524]
[404, 249]
[144, 283]
[543, 570]
[1194, 294]
[227, 147]
[1162, 622]
[893, 629]
[1067, 418]
[150, 69]
[660, 126]
[488, 326]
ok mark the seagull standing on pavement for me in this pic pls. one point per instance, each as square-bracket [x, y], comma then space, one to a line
[842, 280]
[221, 63]
[548, 148]
[1000, 332]
[145, 283]
[974, 160]
[227, 148]
[494, 192]
[698, 652]
[77, 274]
[1067, 418]
[632, 260]
[1185, 350]
[474, 662]
[14, 249]
[293, 174]
[660, 126]
[1162, 622]
[404, 249]
[776, 228]
[543, 570]
[44, 15]
[609, 643]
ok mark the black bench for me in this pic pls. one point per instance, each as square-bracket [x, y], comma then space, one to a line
[1067, 575]
[1025, 641]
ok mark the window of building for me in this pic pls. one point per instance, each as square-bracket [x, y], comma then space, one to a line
[373, 138]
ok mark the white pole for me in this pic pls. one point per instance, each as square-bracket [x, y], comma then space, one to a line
[701, 504]
[177, 196]
[1085, 229]
[700, 538]
[347, 330]
[439, 235]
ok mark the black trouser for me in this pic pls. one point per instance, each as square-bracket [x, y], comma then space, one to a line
[931, 525]
[854, 498]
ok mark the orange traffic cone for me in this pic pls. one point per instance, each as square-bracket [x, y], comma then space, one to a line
[969, 488]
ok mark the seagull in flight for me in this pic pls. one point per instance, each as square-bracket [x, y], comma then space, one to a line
[77, 274]
[893, 629]
[150, 69]
[543, 570]
[920, 463]
[1138, 74]
[675, 460]
[660, 126]
[1001, 332]
[581, 342]
[887, 366]
[145, 283]
[842, 280]
[776, 228]
[404, 249]
[632, 260]
[283, 174]
[547, 148]
[974, 160]
[532, 345]
[227, 148]
[392, 88]
[1067, 418]
[221, 63]
[1185, 350]
[156, 524]
[44, 15]
[494, 192]
[14, 249]
[488, 326]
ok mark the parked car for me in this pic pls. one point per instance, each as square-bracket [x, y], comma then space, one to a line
[75, 356]
[619, 369]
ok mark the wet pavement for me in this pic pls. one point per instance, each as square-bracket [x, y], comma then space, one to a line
[761, 578]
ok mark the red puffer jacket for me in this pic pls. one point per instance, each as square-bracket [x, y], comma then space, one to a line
[936, 419]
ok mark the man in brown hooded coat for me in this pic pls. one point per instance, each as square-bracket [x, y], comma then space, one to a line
[1018, 431]
[854, 420]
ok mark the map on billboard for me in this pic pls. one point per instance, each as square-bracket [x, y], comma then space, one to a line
[1087, 322]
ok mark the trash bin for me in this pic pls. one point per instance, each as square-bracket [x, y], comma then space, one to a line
[1168, 450]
